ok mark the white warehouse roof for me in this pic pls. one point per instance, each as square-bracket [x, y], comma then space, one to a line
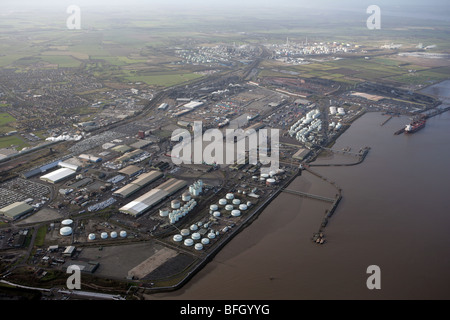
[193, 104]
[58, 175]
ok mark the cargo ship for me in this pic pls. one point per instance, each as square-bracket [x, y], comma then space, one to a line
[415, 125]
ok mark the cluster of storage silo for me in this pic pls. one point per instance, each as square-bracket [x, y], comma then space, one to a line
[196, 188]
[178, 211]
[230, 205]
[302, 129]
[197, 235]
[104, 235]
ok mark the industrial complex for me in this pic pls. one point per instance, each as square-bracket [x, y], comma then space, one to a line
[109, 194]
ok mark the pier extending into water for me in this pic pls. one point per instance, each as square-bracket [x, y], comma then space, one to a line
[308, 195]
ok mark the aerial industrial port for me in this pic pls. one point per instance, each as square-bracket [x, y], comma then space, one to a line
[97, 186]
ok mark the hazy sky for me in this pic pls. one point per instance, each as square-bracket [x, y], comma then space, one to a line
[323, 4]
[417, 9]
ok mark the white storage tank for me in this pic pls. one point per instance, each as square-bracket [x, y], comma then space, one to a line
[186, 196]
[177, 238]
[270, 182]
[123, 234]
[333, 110]
[91, 236]
[113, 234]
[264, 175]
[205, 241]
[249, 204]
[213, 207]
[175, 204]
[67, 222]
[65, 231]
[194, 227]
[243, 207]
[188, 242]
[222, 202]
[196, 236]
[229, 207]
[229, 196]
[164, 212]
[236, 201]
[185, 232]
[236, 213]
[216, 214]
[104, 235]
[198, 246]
[211, 235]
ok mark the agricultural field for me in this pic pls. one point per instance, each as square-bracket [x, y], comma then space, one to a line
[353, 70]
[5, 119]
[9, 141]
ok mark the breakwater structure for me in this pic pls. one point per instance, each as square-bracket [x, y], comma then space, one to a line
[361, 156]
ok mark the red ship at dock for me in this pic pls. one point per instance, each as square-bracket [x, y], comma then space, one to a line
[415, 125]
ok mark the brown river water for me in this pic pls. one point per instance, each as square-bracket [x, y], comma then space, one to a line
[394, 214]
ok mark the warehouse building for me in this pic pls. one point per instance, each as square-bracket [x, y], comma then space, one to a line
[153, 197]
[67, 165]
[90, 158]
[58, 175]
[143, 180]
[130, 155]
[122, 148]
[141, 144]
[131, 170]
[16, 210]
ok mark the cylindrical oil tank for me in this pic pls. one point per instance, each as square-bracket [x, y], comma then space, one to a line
[270, 182]
[229, 207]
[205, 241]
[198, 246]
[236, 213]
[113, 234]
[186, 196]
[65, 231]
[177, 238]
[194, 227]
[175, 204]
[188, 242]
[123, 234]
[67, 222]
[211, 235]
[185, 232]
[164, 212]
[195, 236]
[104, 235]
[229, 196]
[91, 236]
[213, 207]
[243, 207]
[236, 201]
[222, 202]
[216, 214]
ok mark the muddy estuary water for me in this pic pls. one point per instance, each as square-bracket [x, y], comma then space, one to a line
[394, 214]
